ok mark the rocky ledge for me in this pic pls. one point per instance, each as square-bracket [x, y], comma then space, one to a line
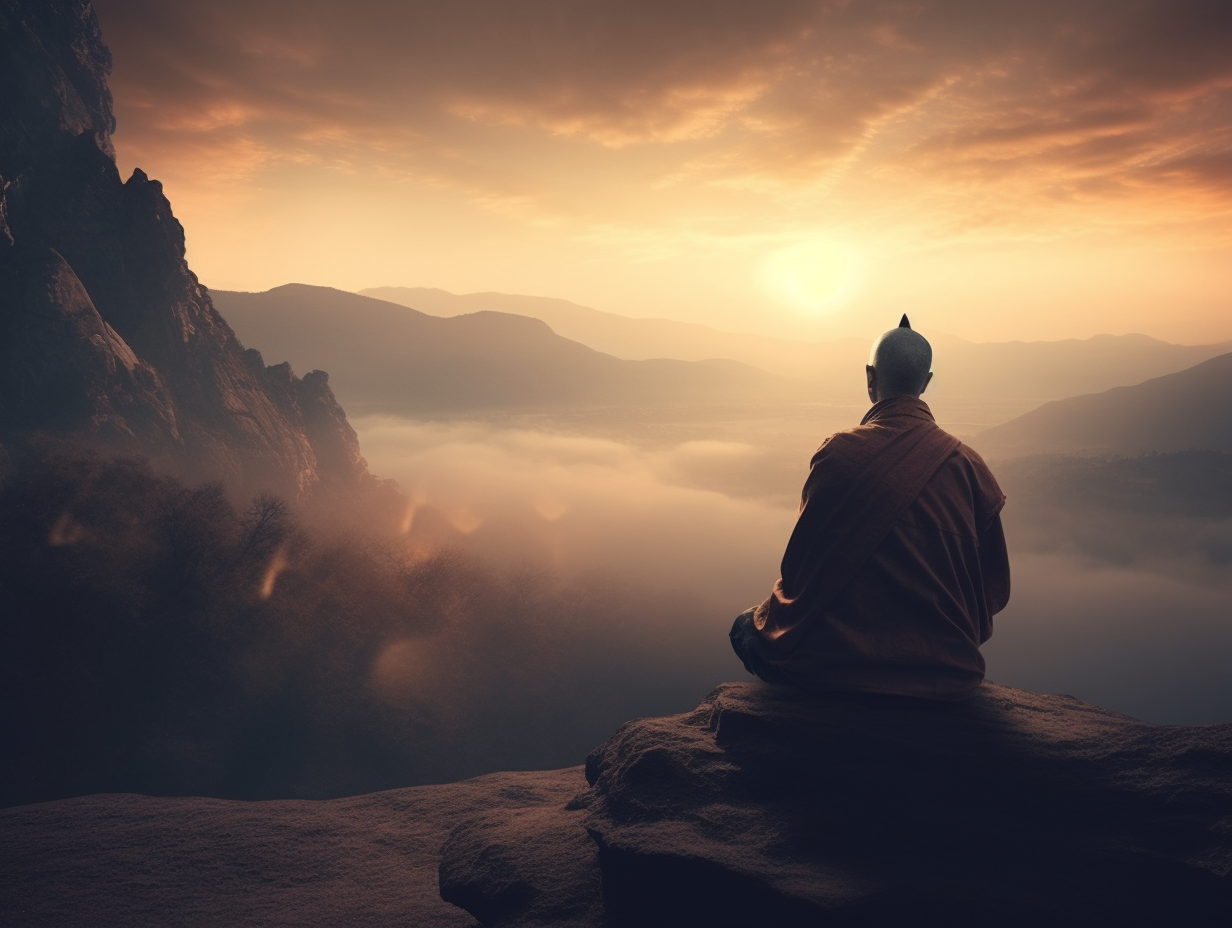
[764, 807]
[758, 808]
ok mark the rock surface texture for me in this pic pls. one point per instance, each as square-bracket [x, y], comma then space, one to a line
[124, 861]
[105, 333]
[763, 807]
[759, 808]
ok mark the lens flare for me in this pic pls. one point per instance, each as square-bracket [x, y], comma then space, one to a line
[66, 531]
[413, 505]
[278, 563]
[403, 670]
[549, 508]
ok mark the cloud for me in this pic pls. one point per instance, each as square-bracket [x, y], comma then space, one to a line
[752, 94]
[577, 504]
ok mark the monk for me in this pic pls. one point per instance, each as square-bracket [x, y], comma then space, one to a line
[897, 563]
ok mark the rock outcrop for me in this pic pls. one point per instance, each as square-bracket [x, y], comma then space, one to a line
[105, 333]
[758, 808]
[763, 807]
[125, 861]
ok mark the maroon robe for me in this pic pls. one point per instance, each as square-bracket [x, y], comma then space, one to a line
[896, 565]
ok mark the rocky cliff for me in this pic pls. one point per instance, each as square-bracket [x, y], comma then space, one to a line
[766, 807]
[105, 333]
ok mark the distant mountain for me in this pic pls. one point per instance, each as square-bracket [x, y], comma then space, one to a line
[105, 334]
[1037, 372]
[1191, 409]
[1004, 378]
[639, 339]
[387, 357]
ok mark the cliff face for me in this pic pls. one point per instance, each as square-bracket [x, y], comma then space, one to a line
[105, 333]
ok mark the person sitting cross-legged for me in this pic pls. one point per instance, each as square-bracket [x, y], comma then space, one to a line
[897, 562]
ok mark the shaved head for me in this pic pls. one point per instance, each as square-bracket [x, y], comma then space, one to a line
[901, 360]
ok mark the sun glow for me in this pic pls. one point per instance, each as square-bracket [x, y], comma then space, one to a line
[814, 278]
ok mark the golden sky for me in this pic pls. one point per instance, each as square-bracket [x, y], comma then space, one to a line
[805, 169]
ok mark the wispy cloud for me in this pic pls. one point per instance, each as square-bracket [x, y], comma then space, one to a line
[797, 89]
[632, 136]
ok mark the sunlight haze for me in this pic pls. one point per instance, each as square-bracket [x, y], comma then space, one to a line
[411, 410]
[802, 169]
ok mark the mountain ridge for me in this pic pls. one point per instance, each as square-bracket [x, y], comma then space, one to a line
[1022, 374]
[396, 359]
[1184, 411]
[628, 337]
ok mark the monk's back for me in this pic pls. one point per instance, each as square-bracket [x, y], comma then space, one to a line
[913, 616]
[897, 561]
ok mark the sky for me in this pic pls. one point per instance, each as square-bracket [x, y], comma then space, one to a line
[803, 169]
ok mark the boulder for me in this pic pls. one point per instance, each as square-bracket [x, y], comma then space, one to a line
[486, 868]
[765, 806]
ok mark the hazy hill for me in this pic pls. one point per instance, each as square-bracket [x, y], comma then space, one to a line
[387, 357]
[637, 339]
[1040, 371]
[1191, 409]
[1013, 375]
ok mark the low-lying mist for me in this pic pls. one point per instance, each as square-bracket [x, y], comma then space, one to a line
[539, 587]
[1122, 582]
[168, 639]
[1121, 587]
[1145, 643]
[571, 503]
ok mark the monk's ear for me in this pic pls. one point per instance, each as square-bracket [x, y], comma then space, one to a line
[927, 381]
[870, 373]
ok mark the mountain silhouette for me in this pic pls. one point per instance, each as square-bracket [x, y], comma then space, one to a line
[1188, 410]
[387, 357]
[1017, 375]
[638, 339]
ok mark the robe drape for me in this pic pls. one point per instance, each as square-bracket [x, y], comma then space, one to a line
[896, 564]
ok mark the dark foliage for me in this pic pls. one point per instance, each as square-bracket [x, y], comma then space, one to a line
[156, 639]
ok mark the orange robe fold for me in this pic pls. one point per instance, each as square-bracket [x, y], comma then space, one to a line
[896, 565]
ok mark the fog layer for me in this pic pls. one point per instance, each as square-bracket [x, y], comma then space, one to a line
[1119, 596]
[575, 503]
[538, 587]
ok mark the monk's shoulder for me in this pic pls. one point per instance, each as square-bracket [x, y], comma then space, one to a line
[973, 456]
[835, 464]
[975, 462]
[985, 489]
[851, 446]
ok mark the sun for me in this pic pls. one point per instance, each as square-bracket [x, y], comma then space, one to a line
[814, 277]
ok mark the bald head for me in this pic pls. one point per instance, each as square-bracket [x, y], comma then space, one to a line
[899, 364]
